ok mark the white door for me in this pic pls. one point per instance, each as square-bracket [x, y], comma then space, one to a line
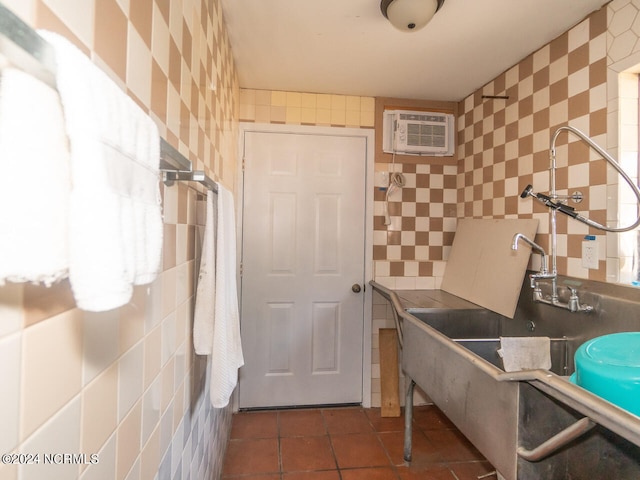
[303, 250]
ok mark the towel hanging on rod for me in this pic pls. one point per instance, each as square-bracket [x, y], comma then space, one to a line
[26, 50]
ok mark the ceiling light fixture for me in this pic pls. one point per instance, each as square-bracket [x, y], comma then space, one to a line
[410, 15]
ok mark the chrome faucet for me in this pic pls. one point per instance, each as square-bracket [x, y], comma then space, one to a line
[556, 203]
[544, 266]
[573, 305]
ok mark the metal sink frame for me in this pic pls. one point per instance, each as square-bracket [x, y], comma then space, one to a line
[531, 424]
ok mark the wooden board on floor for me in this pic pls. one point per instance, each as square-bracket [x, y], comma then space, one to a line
[390, 401]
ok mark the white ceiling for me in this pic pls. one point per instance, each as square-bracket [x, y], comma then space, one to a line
[348, 47]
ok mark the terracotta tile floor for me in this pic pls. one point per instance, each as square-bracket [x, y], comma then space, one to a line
[349, 443]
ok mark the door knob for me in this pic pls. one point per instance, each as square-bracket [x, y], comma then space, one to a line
[355, 288]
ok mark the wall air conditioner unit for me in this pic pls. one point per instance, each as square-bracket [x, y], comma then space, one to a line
[418, 133]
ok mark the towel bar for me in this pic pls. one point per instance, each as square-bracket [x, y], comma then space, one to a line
[171, 176]
[23, 48]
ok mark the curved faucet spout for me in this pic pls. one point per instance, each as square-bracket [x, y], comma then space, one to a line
[544, 268]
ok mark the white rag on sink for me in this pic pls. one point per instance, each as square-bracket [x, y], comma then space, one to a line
[525, 353]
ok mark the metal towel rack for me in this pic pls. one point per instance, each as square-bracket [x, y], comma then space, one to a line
[21, 46]
[171, 176]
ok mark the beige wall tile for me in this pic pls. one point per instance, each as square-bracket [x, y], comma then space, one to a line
[10, 353]
[182, 238]
[184, 282]
[150, 458]
[352, 118]
[141, 16]
[11, 310]
[278, 114]
[130, 379]
[169, 293]
[309, 100]
[263, 97]
[132, 318]
[139, 67]
[99, 410]
[110, 36]
[160, 38]
[293, 115]
[60, 434]
[75, 16]
[308, 116]
[168, 388]
[41, 302]
[51, 368]
[100, 342]
[128, 441]
[324, 101]
[278, 99]
[323, 116]
[168, 338]
[152, 349]
[106, 467]
[151, 409]
[9, 472]
[294, 99]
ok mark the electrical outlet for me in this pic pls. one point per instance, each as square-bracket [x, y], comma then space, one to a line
[381, 179]
[590, 254]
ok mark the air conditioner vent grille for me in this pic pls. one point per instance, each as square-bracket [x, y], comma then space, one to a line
[426, 135]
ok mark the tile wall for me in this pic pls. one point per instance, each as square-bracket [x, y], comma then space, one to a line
[587, 78]
[503, 145]
[411, 251]
[125, 384]
[296, 108]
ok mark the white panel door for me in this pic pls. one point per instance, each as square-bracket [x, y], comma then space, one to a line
[303, 250]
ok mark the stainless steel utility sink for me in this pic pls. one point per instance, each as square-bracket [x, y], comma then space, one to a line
[479, 331]
[530, 424]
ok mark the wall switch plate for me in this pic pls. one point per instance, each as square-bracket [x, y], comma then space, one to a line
[590, 254]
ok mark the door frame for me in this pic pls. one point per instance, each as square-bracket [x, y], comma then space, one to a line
[369, 136]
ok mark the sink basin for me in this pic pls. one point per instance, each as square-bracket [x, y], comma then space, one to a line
[479, 331]
[460, 324]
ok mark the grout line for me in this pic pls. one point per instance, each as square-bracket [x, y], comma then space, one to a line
[333, 452]
[280, 464]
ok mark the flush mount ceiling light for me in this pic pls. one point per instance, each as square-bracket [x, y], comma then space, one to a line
[410, 15]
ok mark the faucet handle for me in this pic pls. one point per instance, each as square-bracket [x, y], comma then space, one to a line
[574, 292]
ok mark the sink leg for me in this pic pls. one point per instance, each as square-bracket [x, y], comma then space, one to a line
[408, 420]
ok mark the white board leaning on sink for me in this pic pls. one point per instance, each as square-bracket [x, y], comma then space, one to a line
[482, 267]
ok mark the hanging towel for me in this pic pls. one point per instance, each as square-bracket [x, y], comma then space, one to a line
[34, 161]
[205, 292]
[115, 219]
[226, 355]
[525, 353]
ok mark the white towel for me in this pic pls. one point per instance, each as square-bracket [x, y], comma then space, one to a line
[525, 353]
[227, 355]
[34, 161]
[205, 292]
[115, 228]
